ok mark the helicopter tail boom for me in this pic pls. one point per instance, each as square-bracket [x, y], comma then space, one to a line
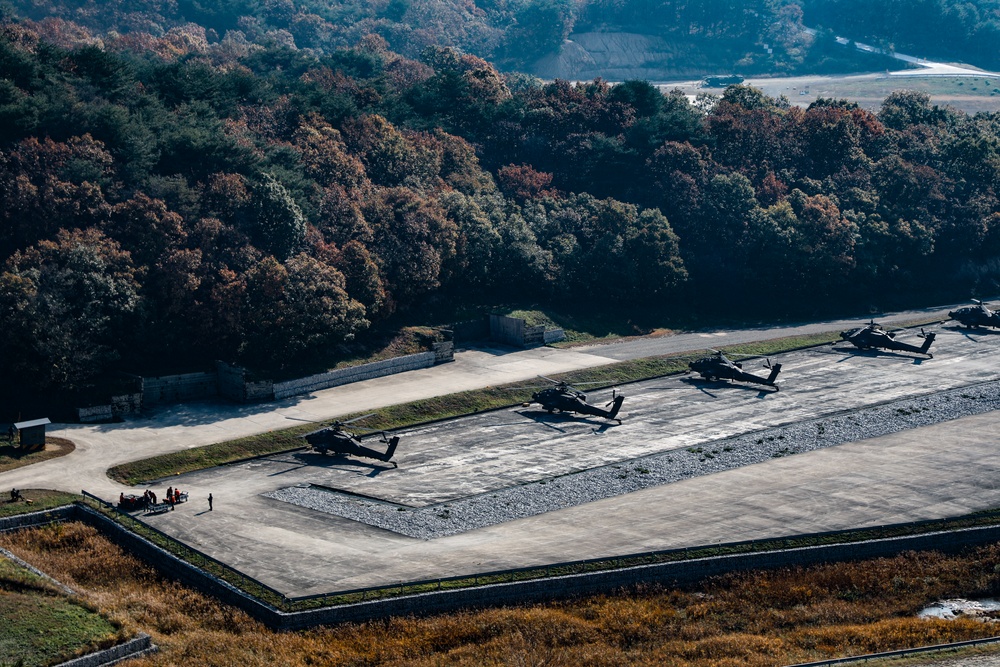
[393, 442]
[927, 343]
[775, 369]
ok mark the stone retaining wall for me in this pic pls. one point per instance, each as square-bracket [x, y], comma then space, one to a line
[683, 572]
[179, 388]
[353, 374]
[40, 518]
[444, 352]
[124, 404]
[134, 648]
[95, 413]
[507, 330]
[534, 336]
[554, 336]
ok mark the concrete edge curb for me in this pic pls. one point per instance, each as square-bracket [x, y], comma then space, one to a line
[38, 573]
[905, 652]
[134, 648]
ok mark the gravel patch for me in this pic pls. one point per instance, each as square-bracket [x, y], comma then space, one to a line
[555, 493]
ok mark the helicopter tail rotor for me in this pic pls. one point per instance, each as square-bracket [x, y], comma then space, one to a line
[614, 395]
[616, 403]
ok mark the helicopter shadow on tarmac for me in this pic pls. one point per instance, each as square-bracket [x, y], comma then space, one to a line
[342, 462]
[851, 352]
[968, 333]
[701, 385]
[550, 420]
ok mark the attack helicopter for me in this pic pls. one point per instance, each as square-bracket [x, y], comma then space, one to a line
[976, 316]
[566, 398]
[872, 335]
[334, 438]
[719, 367]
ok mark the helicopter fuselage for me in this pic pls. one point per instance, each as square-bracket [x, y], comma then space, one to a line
[719, 367]
[337, 441]
[566, 399]
[872, 336]
[976, 316]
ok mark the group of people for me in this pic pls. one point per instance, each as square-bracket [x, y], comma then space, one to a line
[172, 497]
[15, 495]
[148, 499]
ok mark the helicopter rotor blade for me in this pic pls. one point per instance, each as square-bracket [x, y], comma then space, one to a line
[356, 419]
[300, 419]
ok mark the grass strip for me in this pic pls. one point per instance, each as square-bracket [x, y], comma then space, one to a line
[41, 500]
[16, 457]
[41, 626]
[441, 407]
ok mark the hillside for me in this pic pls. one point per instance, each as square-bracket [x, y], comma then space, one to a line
[185, 198]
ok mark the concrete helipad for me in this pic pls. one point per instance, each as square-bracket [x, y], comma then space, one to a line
[930, 472]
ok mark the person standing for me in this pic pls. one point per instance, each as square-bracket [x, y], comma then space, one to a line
[210, 502]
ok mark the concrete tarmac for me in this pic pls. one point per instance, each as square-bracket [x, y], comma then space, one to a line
[173, 428]
[930, 472]
[299, 551]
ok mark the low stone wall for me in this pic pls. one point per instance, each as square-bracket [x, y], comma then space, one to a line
[515, 331]
[534, 336]
[40, 518]
[507, 330]
[134, 648]
[353, 374]
[444, 352]
[233, 383]
[683, 572]
[125, 404]
[95, 413]
[179, 388]
[554, 336]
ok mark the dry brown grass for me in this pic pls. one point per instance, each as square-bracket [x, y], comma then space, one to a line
[750, 619]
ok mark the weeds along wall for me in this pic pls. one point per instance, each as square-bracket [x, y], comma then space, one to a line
[515, 592]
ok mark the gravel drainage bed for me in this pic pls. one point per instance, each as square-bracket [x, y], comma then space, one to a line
[547, 495]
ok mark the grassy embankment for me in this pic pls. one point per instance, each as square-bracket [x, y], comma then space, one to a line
[41, 499]
[749, 619]
[15, 457]
[42, 626]
[441, 407]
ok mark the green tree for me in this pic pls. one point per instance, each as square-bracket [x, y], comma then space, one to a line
[277, 225]
[65, 304]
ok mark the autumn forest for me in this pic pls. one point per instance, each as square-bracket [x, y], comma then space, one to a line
[187, 194]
